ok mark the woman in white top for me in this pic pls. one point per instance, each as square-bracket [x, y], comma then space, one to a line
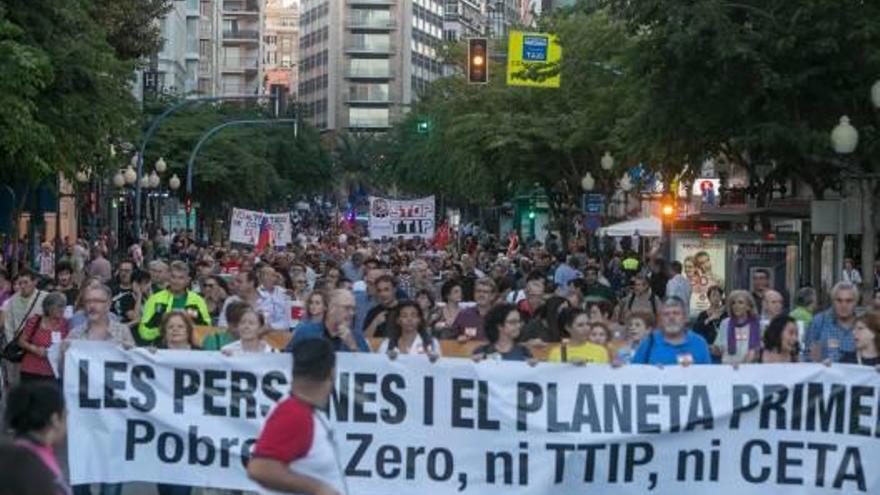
[408, 333]
[250, 335]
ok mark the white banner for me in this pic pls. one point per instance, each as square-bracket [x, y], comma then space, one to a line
[458, 427]
[244, 228]
[402, 218]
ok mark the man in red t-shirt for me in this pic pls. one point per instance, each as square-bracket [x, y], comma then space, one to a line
[296, 452]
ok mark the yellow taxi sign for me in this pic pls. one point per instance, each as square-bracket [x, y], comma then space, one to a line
[533, 60]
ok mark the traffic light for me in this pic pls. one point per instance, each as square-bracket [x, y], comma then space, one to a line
[667, 208]
[188, 205]
[478, 60]
[531, 214]
[423, 126]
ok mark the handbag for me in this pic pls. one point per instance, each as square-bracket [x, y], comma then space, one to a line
[12, 351]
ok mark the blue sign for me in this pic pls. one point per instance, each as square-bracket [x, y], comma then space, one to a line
[594, 204]
[535, 48]
[592, 223]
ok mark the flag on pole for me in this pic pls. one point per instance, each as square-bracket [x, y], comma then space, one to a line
[264, 240]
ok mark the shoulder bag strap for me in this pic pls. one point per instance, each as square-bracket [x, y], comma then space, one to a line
[21, 326]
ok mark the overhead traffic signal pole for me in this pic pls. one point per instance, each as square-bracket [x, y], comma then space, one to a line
[478, 61]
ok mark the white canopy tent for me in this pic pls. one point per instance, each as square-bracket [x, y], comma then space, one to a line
[646, 227]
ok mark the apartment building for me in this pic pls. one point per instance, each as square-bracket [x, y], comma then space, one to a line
[239, 68]
[363, 62]
[281, 46]
[464, 19]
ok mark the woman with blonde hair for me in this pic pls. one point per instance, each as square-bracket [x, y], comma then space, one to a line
[739, 335]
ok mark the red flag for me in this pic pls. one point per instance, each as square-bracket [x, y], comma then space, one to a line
[441, 237]
[265, 238]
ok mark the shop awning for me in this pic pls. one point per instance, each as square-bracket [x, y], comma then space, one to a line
[645, 227]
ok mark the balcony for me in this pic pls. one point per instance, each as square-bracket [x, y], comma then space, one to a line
[248, 7]
[374, 124]
[247, 35]
[240, 64]
[234, 89]
[369, 74]
[356, 49]
[370, 24]
[370, 2]
[367, 100]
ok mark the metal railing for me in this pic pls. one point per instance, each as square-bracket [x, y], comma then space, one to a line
[240, 63]
[361, 48]
[367, 23]
[241, 34]
[370, 74]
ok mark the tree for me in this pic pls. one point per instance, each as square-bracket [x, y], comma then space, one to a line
[255, 166]
[486, 143]
[757, 83]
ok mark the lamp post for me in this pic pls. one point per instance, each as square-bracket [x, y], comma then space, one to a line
[844, 141]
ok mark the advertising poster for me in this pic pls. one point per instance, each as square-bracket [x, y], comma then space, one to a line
[704, 262]
[401, 218]
[776, 261]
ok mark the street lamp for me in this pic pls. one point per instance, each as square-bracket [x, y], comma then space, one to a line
[119, 180]
[130, 175]
[82, 176]
[154, 180]
[588, 182]
[626, 183]
[145, 182]
[844, 137]
[161, 166]
[607, 161]
[174, 182]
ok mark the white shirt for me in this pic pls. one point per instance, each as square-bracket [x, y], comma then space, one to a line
[275, 307]
[236, 350]
[417, 346]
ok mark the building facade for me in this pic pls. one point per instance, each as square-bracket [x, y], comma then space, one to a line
[464, 19]
[363, 62]
[239, 51]
[281, 47]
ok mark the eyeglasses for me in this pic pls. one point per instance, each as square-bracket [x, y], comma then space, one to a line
[97, 301]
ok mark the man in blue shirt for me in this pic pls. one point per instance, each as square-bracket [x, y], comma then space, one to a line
[830, 335]
[336, 327]
[566, 272]
[673, 343]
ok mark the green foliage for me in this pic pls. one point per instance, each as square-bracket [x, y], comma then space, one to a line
[65, 91]
[488, 142]
[249, 166]
[753, 81]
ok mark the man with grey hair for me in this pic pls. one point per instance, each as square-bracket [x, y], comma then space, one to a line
[673, 343]
[99, 326]
[158, 275]
[831, 333]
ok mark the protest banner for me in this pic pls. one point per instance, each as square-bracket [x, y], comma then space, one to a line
[401, 218]
[455, 426]
[244, 227]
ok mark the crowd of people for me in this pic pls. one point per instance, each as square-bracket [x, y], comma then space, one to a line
[529, 303]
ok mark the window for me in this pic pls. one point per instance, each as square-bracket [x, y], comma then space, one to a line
[371, 42]
[370, 67]
[368, 117]
[368, 92]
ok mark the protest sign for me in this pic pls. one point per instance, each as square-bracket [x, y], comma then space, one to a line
[457, 427]
[401, 218]
[244, 228]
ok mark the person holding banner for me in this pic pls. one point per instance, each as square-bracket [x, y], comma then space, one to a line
[781, 343]
[739, 335]
[577, 349]
[296, 451]
[336, 327]
[673, 343]
[408, 333]
[503, 324]
[866, 332]
[249, 329]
